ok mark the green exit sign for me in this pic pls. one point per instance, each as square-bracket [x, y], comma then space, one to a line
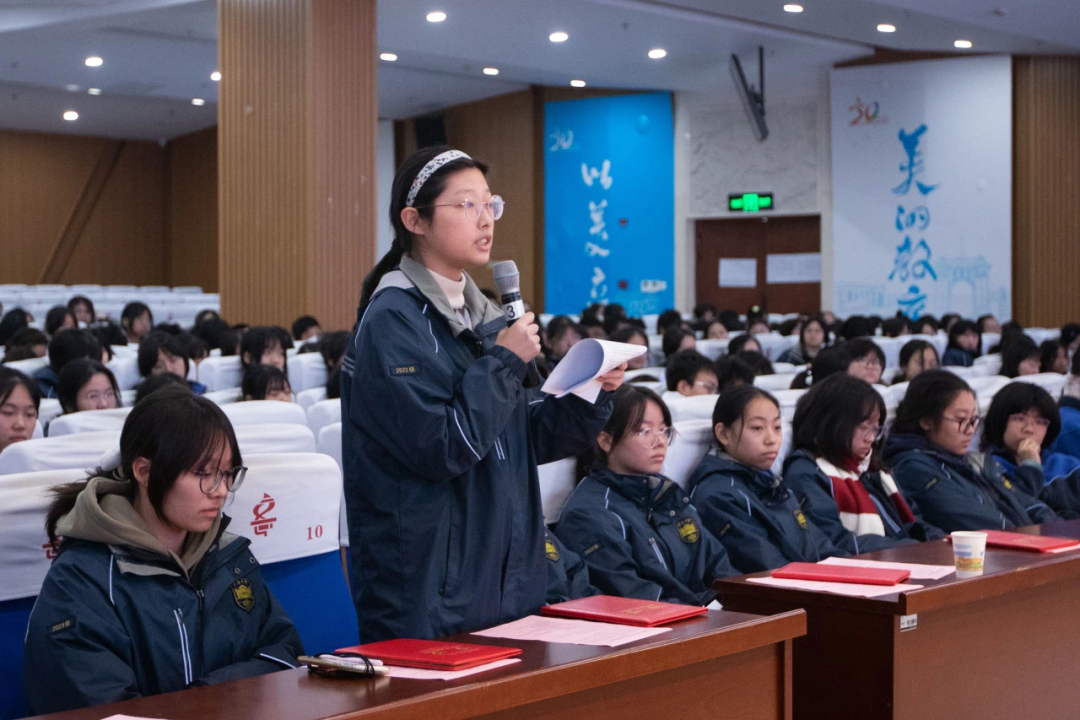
[750, 202]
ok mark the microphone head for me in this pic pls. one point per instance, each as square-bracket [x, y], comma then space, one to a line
[507, 277]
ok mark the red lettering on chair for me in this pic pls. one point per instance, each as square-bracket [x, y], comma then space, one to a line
[261, 523]
[50, 551]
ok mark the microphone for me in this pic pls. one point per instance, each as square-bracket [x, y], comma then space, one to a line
[508, 280]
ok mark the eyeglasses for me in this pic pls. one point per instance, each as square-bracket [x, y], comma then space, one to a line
[874, 431]
[965, 425]
[493, 207]
[94, 396]
[652, 437]
[209, 480]
[712, 387]
[1023, 419]
[869, 362]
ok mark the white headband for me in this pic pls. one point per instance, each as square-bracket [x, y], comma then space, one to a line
[434, 164]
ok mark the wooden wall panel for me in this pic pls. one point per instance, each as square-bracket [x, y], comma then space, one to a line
[193, 210]
[41, 178]
[499, 132]
[296, 148]
[1046, 184]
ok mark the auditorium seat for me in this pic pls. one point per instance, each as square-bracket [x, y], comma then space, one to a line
[328, 443]
[307, 371]
[988, 341]
[787, 400]
[257, 412]
[712, 349]
[126, 370]
[557, 480]
[693, 438]
[323, 413]
[79, 451]
[221, 373]
[773, 345]
[1052, 383]
[307, 398]
[289, 507]
[782, 368]
[260, 439]
[49, 409]
[28, 367]
[988, 364]
[699, 407]
[772, 383]
[891, 348]
[224, 397]
[24, 560]
[89, 421]
[965, 372]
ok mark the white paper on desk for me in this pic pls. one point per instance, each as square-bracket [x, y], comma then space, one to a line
[587, 360]
[918, 572]
[852, 589]
[576, 632]
[422, 674]
[126, 717]
[1064, 549]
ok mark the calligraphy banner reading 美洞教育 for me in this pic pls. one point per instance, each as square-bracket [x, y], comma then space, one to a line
[922, 188]
[609, 203]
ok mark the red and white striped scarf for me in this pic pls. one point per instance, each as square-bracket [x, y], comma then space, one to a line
[857, 510]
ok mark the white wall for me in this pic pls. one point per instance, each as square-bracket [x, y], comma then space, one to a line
[384, 179]
[716, 154]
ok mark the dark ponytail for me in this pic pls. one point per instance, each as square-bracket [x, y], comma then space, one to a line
[399, 193]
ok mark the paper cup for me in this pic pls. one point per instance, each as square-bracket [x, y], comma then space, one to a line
[969, 551]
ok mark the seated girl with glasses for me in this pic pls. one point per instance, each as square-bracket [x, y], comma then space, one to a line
[690, 373]
[835, 471]
[1020, 427]
[149, 593]
[749, 509]
[88, 385]
[866, 360]
[927, 450]
[636, 530]
[265, 382]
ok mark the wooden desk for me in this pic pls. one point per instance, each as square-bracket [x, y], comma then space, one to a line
[719, 665]
[1016, 629]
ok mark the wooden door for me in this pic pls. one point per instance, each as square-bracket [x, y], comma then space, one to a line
[757, 238]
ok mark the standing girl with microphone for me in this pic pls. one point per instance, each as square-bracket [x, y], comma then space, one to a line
[440, 440]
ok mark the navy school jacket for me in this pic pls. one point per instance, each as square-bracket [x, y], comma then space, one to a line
[568, 576]
[440, 443]
[814, 489]
[757, 518]
[641, 541]
[113, 624]
[955, 494]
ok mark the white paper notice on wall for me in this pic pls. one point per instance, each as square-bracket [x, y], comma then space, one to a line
[793, 268]
[738, 272]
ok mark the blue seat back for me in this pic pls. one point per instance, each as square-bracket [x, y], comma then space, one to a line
[314, 593]
[14, 617]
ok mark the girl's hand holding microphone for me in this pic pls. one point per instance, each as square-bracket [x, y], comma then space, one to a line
[522, 338]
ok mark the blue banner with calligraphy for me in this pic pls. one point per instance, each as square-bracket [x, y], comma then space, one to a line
[609, 203]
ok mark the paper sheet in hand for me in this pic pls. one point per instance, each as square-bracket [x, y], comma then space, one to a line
[587, 360]
[418, 674]
[918, 572]
[575, 632]
[851, 589]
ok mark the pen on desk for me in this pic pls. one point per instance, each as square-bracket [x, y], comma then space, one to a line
[339, 664]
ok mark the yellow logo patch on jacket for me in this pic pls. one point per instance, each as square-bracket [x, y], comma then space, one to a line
[801, 519]
[551, 550]
[688, 531]
[243, 594]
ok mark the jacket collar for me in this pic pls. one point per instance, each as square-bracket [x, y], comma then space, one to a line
[481, 310]
[768, 486]
[638, 489]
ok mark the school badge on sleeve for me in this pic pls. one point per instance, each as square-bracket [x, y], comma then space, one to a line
[243, 594]
[801, 519]
[551, 550]
[688, 531]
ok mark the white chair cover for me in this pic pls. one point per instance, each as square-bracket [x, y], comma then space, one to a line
[788, 399]
[81, 451]
[25, 555]
[224, 397]
[28, 367]
[307, 371]
[49, 409]
[89, 421]
[712, 349]
[965, 372]
[557, 481]
[329, 444]
[772, 383]
[307, 398]
[289, 506]
[260, 439]
[323, 413]
[699, 407]
[773, 345]
[221, 373]
[1052, 383]
[126, 370]
[259, 412]
[693, 438]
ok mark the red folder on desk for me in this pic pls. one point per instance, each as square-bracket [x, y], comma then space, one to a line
[622, 611]
[1020, 541]
[433, 654]
[841, 574]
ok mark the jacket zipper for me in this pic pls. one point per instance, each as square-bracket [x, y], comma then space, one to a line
[185, 651]
[660, 557]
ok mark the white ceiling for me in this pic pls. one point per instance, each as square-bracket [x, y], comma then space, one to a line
[159, 53]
